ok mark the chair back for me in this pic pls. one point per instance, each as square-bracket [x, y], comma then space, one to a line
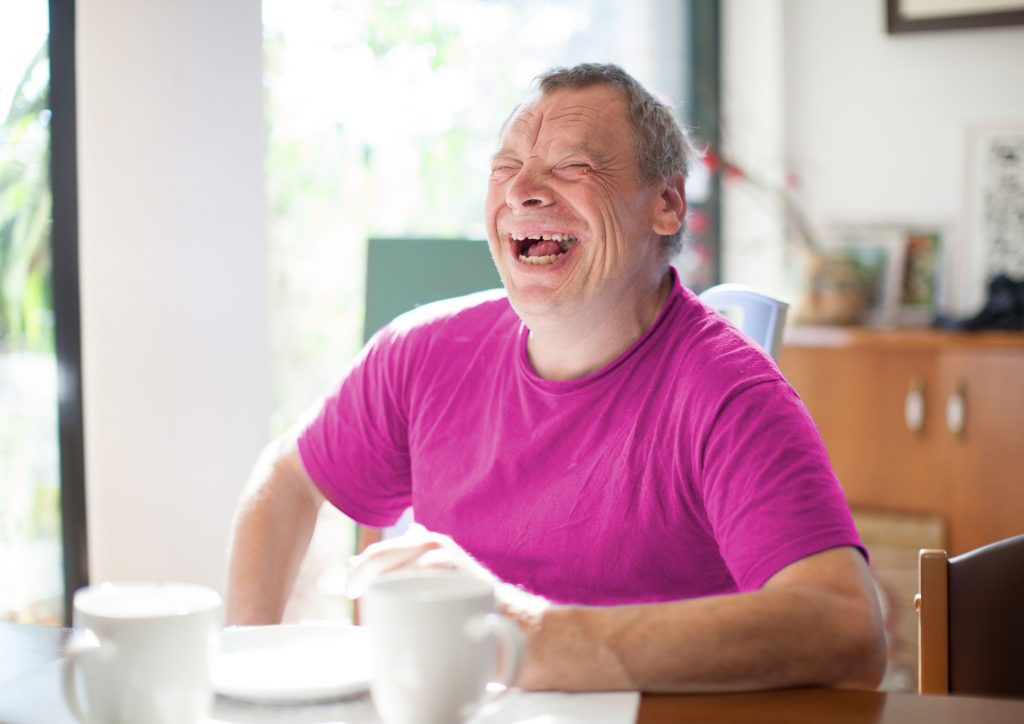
[404, 273]
[971, 620]
[760, 316]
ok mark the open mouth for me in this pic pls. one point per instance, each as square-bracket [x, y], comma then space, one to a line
[542, 249]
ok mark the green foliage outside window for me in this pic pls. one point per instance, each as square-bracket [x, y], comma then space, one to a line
[26, 318]
[30, 531]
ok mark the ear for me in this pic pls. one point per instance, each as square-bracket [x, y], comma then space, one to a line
[670, 206]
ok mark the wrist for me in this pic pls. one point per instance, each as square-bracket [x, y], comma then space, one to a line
[567, 649]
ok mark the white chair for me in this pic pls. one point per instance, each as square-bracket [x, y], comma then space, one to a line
[760, 316]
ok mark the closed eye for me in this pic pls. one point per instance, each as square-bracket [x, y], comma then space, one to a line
[575, 168]
[502, 169]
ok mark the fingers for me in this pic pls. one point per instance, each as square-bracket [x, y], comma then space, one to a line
[416, 549]
[384, 557]
[439, 558]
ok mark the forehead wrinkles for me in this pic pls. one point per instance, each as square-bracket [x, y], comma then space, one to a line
[525, 127]
[585, 126]
[578, 113]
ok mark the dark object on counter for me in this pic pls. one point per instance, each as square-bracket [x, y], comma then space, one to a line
[1004, 308]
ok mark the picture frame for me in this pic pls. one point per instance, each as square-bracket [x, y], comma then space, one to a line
[877, 250]
[921, 279]
[904, 266]
[993, 211]
[911, 16]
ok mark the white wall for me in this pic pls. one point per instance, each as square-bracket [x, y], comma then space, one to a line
[875, 125]
[174, 279]
[753, 135]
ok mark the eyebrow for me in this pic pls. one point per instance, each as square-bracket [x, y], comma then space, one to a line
[588, 150]
[582, 147]
[503, 151]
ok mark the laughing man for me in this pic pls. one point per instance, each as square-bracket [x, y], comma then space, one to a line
[593, 437]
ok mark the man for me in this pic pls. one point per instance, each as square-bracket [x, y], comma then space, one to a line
[598, 438]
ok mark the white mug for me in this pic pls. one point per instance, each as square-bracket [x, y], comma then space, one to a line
[433, 639]
[142, 653]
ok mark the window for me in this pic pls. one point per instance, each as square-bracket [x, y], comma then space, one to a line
[30, 524]
[383, 117]
[42, 506]
[382, 120]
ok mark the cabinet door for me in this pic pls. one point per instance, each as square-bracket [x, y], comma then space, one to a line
[832, 383]
[857, 397]
[908, 418]
[984, 462]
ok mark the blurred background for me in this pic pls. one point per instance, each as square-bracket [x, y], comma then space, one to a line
[187, 191]
[234, 162]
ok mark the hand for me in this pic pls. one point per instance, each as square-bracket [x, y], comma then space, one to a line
[417, 549]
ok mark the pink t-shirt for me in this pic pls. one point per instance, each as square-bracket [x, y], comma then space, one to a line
[686, 467]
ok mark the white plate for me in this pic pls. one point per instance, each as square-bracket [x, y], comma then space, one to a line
[292, 663]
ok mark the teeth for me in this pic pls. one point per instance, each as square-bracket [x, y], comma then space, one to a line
[564, 241]
[539, 260]
[543, 237]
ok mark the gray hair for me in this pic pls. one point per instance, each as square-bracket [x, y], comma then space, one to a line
[662, 146]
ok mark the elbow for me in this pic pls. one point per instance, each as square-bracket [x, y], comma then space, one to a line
[868, 665]
[866, 654]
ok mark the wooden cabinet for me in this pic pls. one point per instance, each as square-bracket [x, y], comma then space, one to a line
[920, 421]
[985, 462]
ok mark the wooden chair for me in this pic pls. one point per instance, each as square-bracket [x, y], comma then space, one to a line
[971, 620]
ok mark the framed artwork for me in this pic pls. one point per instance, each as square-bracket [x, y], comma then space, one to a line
[876, 250]
[921, 276]
[902, 267]
[994, 210]
[910, 16]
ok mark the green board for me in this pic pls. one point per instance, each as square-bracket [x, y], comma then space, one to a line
[405, 273]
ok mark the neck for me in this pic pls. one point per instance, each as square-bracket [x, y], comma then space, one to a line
[578, 344]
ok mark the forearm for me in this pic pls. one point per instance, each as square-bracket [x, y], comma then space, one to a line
[815, 623]
[791, 635]
[761, 640]
[273, 528]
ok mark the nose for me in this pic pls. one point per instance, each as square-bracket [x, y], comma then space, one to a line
[528, 188]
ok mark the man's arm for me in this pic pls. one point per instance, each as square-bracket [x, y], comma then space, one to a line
[273, 528]
[815, 622]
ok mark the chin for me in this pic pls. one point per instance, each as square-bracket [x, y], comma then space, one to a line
[535, 302]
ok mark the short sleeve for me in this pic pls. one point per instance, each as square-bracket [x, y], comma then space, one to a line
[770, 493]
[356, 448]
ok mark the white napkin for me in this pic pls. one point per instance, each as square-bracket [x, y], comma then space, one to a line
[515, 707]
[518, 707]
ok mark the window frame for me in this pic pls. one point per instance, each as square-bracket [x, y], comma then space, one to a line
[66, 298]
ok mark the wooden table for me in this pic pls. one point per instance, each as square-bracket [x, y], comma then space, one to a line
[827, 706]
[28, 694]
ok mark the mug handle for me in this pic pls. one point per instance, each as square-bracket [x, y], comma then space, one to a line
[83, 643]
[510, 644]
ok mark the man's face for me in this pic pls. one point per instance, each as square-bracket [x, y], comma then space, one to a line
[569, 224]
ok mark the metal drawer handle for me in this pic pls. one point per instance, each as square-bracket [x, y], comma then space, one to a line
[913, 405]
[956, 409]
